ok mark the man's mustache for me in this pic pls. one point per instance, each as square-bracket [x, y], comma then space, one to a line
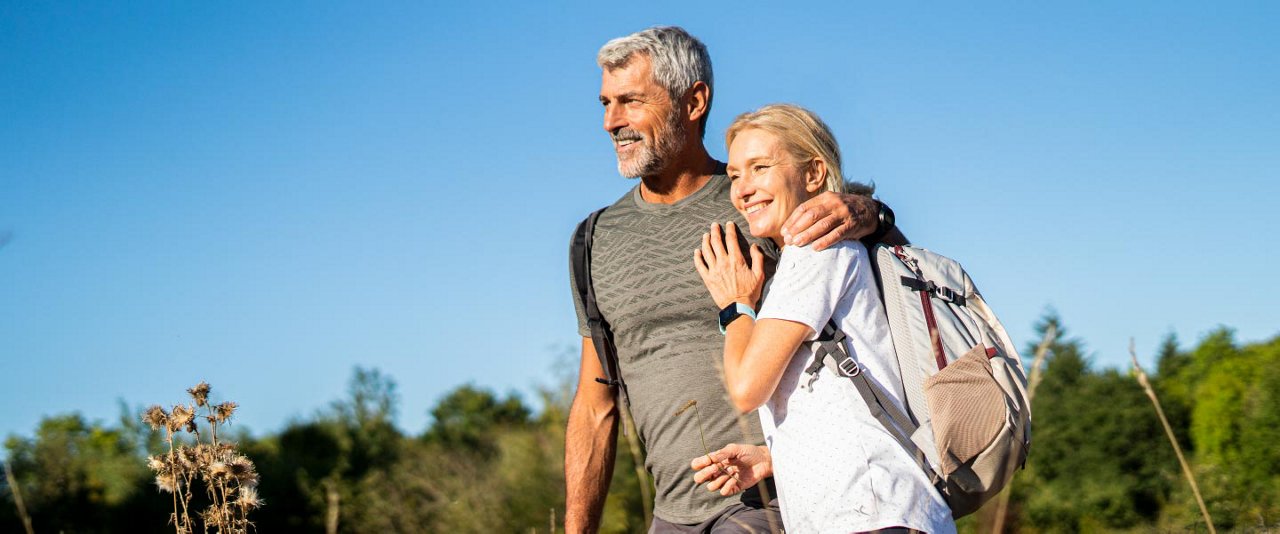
[626, 134]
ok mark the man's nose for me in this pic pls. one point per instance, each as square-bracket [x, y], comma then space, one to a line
[613, 118]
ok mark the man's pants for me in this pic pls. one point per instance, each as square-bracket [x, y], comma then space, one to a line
[742, 519]
[736, 519]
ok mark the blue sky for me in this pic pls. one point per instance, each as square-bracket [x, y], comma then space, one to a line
[265, 196]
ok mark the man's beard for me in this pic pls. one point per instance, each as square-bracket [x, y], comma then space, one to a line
[651, 158]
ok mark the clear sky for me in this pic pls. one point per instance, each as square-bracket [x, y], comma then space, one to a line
[265, 195]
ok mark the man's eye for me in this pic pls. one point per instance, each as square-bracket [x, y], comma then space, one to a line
[759, 168]
[733, 177]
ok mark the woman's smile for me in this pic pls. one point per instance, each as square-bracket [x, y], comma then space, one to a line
[767, 184]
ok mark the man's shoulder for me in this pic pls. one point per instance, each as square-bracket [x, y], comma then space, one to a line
[619, 208]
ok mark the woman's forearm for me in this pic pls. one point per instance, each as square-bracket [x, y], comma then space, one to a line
[737, 337]
[755, 356]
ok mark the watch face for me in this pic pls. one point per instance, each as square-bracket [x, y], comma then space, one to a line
[728, 314]
[886, 216]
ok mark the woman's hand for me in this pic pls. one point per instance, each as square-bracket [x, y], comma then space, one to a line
[724, 269]
[733, 468]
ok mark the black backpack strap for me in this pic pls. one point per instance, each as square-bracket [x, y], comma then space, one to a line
[601, 335]
[899, 424]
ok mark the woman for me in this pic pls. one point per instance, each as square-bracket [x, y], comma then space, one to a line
[836, 468]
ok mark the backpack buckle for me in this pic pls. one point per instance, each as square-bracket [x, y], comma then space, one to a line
[849, 368]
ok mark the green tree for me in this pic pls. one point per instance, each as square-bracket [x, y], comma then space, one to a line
[1097, 460]
[1235, 426]
[314, 468]
[83, 477]
[468, 418]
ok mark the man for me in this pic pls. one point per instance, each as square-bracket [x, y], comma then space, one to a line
[656, 89]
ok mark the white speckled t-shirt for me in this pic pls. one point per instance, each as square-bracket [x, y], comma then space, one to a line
[837, 469]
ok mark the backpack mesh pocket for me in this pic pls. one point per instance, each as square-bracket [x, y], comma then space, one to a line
[968, 409]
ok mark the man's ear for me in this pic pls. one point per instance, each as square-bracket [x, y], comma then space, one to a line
[697, 101]
[815, 179]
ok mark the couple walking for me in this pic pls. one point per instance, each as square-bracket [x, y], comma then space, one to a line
[692, 245]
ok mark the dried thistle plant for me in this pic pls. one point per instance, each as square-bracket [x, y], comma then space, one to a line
[228, 478]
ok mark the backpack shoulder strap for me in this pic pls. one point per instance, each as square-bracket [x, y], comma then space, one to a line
[829, 351]
[601, 335]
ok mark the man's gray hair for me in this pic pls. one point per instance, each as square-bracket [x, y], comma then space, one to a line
[677, 58]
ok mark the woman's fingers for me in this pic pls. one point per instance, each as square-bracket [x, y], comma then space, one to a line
[757, 261]
[717, 241]
[731, 242]
[708, 254]
[700, 263]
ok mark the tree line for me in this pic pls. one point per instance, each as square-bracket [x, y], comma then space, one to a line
[1100, 460]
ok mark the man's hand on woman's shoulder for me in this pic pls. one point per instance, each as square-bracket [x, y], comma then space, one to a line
[831, 217]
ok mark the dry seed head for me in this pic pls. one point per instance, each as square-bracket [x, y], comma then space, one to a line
[205, 455]
[167, 482]
[157, 463]
[209, 515]
[219, 471]
[224, 411]
[200, 393]
[188, 459]
[181, 417]
[248, 498]
[155, 417]
[242, 470]
[686, 407]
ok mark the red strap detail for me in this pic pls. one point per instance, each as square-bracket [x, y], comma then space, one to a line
[991, 352]
[934, 338]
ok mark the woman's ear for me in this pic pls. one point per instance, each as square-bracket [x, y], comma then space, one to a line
[815, 179]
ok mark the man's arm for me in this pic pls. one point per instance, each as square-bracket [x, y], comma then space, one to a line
[829, 218]
[589, 447]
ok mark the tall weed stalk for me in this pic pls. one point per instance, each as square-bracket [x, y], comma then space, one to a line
[228, 478]
[1168, 430]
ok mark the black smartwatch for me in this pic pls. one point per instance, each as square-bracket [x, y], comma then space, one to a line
[733, 311]
[885, 223]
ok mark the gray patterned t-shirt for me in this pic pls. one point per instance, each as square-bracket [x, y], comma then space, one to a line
[669, 347]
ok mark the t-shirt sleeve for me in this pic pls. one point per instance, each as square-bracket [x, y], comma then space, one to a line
[808, 284]
[583, 329]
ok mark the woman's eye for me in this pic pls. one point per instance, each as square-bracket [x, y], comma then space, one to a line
[733, 177]
[759, 168]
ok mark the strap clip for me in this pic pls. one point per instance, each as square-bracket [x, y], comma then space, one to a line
[849, 368]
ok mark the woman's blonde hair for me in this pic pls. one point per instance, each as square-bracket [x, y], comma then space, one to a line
[803, 135]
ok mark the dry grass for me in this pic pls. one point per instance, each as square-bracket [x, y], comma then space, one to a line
[1186, 468]
[17, 495]
[228, 478]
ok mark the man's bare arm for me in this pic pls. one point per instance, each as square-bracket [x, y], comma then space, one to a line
[589, 447]
[829, 218]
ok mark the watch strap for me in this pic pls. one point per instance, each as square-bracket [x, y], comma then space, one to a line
[732, 312]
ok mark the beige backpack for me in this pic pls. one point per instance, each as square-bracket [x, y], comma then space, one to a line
[967, 421]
